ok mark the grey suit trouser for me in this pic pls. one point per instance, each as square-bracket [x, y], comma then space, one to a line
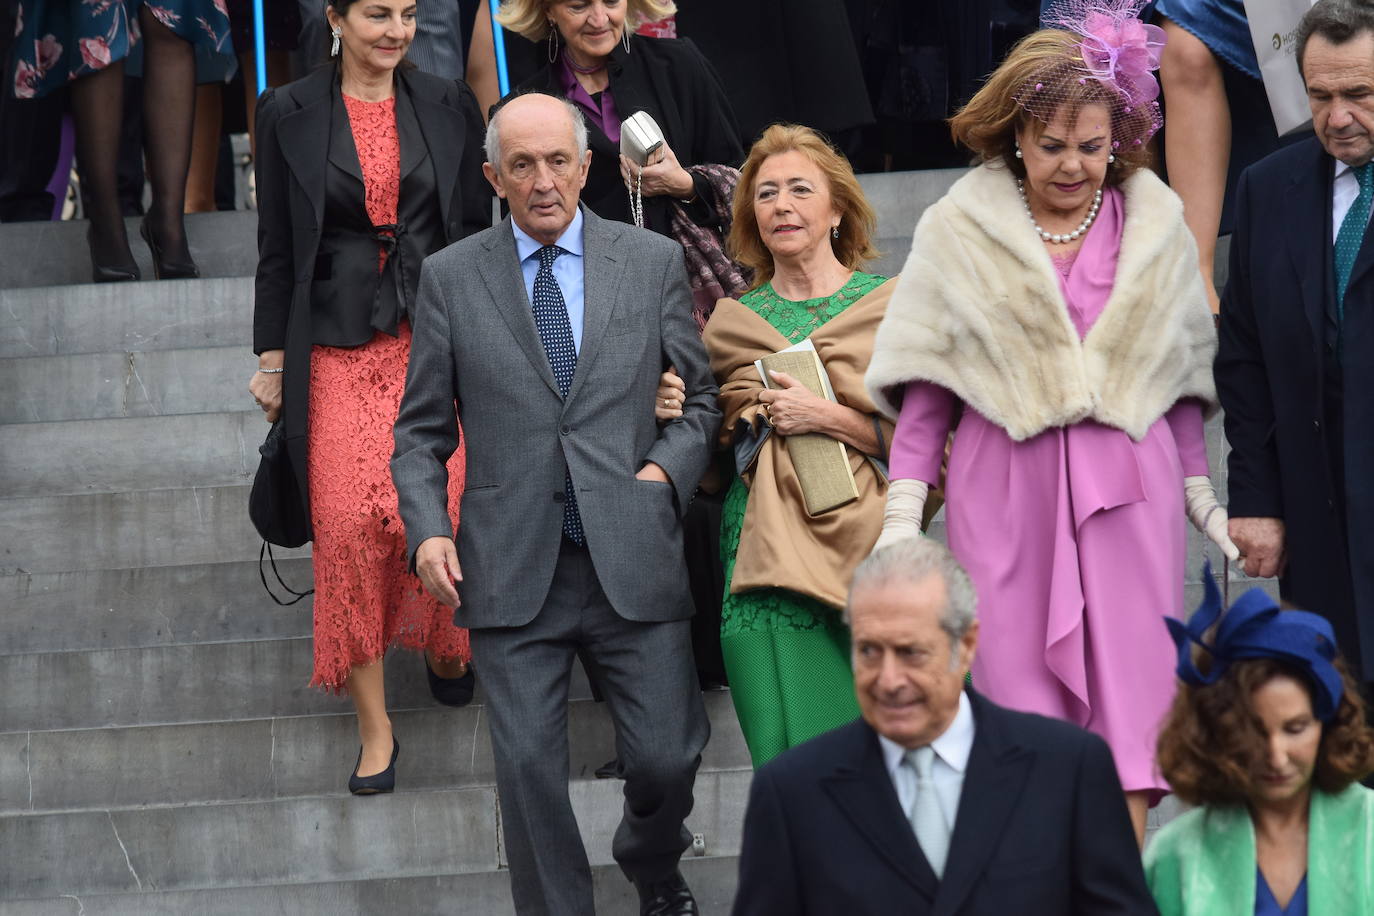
[648, 675]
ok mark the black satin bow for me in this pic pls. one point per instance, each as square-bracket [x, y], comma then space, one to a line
[388, 236]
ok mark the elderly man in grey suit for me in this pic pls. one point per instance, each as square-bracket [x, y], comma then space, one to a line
[550, 332]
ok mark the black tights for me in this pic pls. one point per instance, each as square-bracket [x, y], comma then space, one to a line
[169, 101]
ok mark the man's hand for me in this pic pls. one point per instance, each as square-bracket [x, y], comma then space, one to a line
[436, 563]
[650, 471]
[1260, 541]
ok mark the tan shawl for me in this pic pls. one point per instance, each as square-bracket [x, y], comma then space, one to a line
[979, 311]
[781, 546]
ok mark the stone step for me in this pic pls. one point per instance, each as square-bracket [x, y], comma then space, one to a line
[140, 383]
[290, 756]
[54, 253]
[713, 880]
[152, 606]
[899, 198]
[207, 682]
[127, 317]
[128, 530]
[311, 840]
[73, 457]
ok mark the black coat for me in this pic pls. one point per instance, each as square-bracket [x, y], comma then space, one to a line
[1300, 451]
[668, 78]
[317, 279]
[1042, 830]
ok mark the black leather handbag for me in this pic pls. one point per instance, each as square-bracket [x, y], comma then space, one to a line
[275, 504]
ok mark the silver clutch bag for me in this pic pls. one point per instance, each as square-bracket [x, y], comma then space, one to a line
[639, 137]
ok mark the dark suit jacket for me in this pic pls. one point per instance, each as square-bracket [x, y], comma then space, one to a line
[1042, 830]
[668, 78]
[317, 277]
[476, 343]
[1298, 452]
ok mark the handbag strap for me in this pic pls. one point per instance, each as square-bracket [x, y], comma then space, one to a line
[266, 550]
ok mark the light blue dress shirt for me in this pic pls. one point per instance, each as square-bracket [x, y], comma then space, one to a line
[952, 749]
[567, 270]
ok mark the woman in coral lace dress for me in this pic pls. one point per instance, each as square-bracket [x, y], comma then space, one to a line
[363, 168]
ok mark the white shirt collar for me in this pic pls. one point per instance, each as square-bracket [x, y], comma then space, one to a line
[953, 746]
[570, 241]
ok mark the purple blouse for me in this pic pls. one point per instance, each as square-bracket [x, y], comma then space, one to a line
[604, 115]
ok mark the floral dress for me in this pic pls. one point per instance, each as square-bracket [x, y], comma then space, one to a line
[57, 41]
[787, 655]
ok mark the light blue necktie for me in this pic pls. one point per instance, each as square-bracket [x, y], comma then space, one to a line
[927, 820]
[1351, 235]
[555, 331]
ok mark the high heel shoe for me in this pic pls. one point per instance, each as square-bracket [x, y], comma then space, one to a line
[164, 268]
[378, 783]
[110, 273]
[451, 691]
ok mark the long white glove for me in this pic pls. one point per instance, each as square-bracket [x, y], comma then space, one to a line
[1207, 515]
[906, 501]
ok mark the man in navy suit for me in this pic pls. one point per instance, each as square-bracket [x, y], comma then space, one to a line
[1295, 356]
[936, 801]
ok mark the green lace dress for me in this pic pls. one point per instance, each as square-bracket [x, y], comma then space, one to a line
[787, 655]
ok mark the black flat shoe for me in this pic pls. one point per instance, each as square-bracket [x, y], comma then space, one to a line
[165, 267]
[111, 273]
[669, 897]
[451, 691]
[378, 783]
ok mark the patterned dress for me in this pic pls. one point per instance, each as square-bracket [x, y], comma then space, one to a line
[787, 655]
[57, 41]
[366, 599]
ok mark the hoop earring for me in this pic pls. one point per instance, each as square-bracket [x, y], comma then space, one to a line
[625, 38]
[337, 33]
[553, 42]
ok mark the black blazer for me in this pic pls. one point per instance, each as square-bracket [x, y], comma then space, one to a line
[1300, 422]
[672, 81]
[1042, 830]
[317, 279]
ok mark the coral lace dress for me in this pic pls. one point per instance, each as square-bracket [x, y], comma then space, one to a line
[366, 600]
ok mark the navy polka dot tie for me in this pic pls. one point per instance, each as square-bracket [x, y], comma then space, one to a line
[551, 320]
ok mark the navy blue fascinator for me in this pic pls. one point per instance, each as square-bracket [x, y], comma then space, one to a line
[1255, 627]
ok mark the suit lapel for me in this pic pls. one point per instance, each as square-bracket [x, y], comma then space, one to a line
[343, 154]
[305, 135]
[997, 772]
[603, 268]
[864, 793]
[1309, 238]
[502, 275]
[409, 131]
[441, 132]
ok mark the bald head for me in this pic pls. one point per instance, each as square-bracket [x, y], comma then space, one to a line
[537, 161]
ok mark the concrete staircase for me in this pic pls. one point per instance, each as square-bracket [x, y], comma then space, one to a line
[159, 750]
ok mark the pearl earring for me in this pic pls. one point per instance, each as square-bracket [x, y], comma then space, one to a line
[337, 33]
[1111, 157]
[1018, 151]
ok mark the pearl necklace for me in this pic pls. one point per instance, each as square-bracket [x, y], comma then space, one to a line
[1057, 238]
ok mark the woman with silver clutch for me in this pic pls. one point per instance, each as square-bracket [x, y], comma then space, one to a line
[596, 63]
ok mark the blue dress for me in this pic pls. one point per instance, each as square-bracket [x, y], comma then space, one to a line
[1267, 905]
[1220, 25]
[58, 41]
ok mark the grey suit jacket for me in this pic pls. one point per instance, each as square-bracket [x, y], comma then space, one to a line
[475, 343]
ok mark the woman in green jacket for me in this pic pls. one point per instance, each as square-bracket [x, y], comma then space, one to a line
[1267, 735]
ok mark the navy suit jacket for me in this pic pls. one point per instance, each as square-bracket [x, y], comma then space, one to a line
[1042, 830]
[1296, 454]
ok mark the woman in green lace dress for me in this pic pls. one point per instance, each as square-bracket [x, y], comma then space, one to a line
[800, 220]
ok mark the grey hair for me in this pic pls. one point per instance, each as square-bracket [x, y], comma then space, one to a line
[493, 138]
[911, 561]
[1338, 21]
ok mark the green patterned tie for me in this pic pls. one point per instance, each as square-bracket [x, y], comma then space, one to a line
[1351, 234]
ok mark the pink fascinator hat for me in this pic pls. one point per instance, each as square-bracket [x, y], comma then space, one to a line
[1116, 52]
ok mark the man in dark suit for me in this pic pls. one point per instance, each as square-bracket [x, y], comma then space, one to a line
[1295, 359]
[936, 801]
[550, 331]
